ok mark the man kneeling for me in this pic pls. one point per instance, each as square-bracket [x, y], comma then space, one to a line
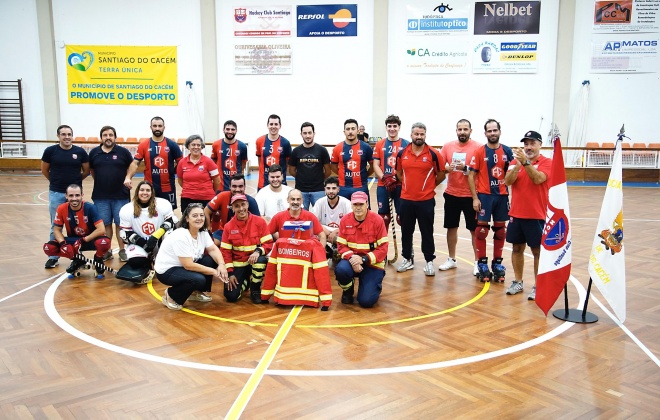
[85, 232]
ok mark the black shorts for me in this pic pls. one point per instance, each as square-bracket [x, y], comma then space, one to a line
[521, 231]
[454, 206]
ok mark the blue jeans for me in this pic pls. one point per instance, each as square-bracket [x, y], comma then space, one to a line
[54, 201]
[109, 210]
[311, 197]
[370, 285]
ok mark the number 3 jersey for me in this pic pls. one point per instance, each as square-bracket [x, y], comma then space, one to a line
[297, 273]
[144, 225]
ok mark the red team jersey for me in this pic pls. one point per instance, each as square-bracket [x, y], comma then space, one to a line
[271, 153]
[159, 159]
[491, 166]
[529, 200]
[277, 224]
[230, 159]
[385, 152]
[352, 163]
[77, 223]
[419, 172]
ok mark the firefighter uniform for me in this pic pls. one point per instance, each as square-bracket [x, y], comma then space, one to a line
[367, 239]
[298, 274]
[240, 239]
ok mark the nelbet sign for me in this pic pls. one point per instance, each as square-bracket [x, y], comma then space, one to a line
[507, 18]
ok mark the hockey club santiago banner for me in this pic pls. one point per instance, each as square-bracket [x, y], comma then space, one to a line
[327, 20]
[555, 259]
[607, 266]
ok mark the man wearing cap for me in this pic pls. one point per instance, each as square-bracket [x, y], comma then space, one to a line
[362, 243]
[528, 179]
[295, 213]
[245, 244]
[419, 167]
[219, 211]
[490, 199]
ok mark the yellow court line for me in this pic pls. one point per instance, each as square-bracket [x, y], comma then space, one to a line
[250, 386]
[235, 321]
[414, 318]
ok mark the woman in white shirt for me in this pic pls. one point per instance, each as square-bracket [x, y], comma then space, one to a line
[182, 265]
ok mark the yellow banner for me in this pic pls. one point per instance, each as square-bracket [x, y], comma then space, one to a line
[112, 75]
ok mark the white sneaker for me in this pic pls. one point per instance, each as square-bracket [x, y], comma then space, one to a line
[429, 270]
[475, 270]
[406, 265]
[515, 288]
[200, 297]
[448, 265]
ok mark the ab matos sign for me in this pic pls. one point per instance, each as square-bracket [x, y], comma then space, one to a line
[113, 75]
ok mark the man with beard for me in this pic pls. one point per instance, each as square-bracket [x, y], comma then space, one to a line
[272, 200]
[295, 215]
[389, 187]
[84, 229]
[109, 164]
[458, 198]
[362, 244]
[245, 244]
[309, 164]
[272, 149]
[229, 154]
[62, 164]
[527, 177]
[330, 210]
[160, 155]
[352, 160]
[419, 168]
[219, 210]
[490, 199]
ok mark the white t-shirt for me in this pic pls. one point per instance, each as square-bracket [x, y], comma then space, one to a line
[179, 243]
[330, 217]
[270, 203]
[144, 225]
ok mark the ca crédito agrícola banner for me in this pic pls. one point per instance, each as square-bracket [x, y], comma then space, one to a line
[114, 75]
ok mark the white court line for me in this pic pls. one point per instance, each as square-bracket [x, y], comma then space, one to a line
[39, 196]
[28, 288]
[627, 331]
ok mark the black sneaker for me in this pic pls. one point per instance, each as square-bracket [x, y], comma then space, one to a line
[347, 296]
[75, 265]
[255, 296]
[51, 263]
[99, 265]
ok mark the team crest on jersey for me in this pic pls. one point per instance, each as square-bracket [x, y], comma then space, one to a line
[201, 168]
[238, 153]
[234, 231]
[359, 152]
[279, 149]
[167, 149]
[114, 157]
[504, 158]
[424, 159]
[74, 156]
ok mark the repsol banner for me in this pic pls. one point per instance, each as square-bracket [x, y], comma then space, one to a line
[507, 17]
[112, 75]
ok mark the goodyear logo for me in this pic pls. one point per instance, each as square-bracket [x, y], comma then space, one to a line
[518, 57]
[518, 46]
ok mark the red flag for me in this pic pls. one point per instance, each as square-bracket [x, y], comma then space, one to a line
[555, 258]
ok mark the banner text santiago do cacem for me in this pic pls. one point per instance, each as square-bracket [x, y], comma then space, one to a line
[114, 75]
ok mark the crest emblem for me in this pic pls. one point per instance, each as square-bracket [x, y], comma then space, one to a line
[556, 229]
[240, 15]
[613, 238]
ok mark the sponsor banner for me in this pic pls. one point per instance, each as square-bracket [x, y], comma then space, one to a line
[113, 75]
[262, 59]
[430, 18]
[626, 16]
[436, 55]
[507, 17]
[327, 20]
[270, 21]
[625, 54]
[505, 57]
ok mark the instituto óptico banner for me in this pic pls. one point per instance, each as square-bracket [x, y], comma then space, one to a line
[119, 75]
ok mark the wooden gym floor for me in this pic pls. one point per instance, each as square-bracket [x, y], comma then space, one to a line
[434, 347]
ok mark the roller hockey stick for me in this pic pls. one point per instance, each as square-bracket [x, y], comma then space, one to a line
[93, 263]
[393, 223]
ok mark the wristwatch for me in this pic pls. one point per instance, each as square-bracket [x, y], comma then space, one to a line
[527, 162]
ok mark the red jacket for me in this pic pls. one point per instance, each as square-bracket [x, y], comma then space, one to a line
[242, 238]
[368, 237]
[297, 273]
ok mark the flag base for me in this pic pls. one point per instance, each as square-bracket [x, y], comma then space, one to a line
[577, 316]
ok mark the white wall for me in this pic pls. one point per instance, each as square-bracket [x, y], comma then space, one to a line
[331, 80]
[134, 23]
[19, 52]
[614, 99]
[517, 101]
